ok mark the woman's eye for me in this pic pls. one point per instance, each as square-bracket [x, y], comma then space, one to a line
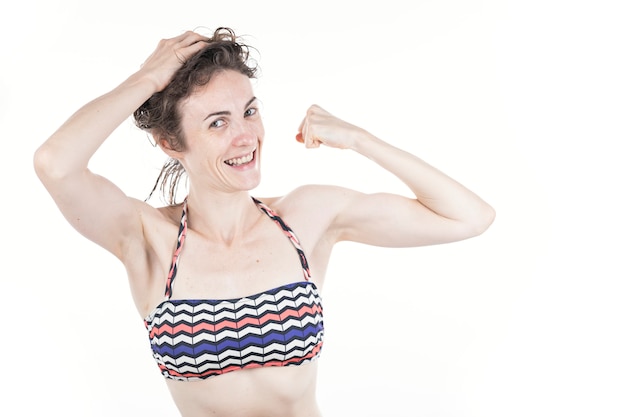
[251, 112]
[217, 123]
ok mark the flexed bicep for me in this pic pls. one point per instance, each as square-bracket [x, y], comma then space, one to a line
[391, 220]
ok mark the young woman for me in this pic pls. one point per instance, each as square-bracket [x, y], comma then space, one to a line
[229, 284]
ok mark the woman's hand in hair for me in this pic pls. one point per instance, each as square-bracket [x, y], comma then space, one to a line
[170, 55]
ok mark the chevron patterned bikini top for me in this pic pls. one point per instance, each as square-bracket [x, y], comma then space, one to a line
[198, 339]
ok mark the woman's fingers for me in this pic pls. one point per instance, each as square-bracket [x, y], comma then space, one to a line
[320, 127]
[300, 134]
[304, 130]
[308, 132]
[170, 54]
[184, 46]
[190, 38]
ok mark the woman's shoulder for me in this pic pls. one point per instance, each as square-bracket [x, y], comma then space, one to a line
[159, 224]
[310, 201]
[150, 213]
[170, 213]
[306, 195]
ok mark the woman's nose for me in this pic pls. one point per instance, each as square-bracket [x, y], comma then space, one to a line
[244, 134]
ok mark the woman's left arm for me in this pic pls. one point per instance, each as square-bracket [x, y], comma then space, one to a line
[442, 211]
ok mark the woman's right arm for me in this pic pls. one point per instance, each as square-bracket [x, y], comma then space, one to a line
[94, 206]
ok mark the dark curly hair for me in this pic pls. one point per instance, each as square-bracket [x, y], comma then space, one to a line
[160, 115]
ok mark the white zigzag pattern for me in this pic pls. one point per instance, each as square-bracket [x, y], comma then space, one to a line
[263, 297]
[229, 333]
[178, 312]
[173, 318]
[224, 334]
[275, 351]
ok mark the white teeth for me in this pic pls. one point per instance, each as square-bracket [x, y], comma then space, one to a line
[240, 161]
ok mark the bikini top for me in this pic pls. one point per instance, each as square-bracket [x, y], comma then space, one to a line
[198, 339]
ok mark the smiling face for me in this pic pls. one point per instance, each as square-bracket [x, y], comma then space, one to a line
[224, 133]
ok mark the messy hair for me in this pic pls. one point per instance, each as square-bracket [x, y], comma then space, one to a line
[160, 114]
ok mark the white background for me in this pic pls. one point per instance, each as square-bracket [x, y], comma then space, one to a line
[522, 101]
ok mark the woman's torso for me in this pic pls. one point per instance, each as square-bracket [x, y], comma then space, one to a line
[261, 392]
[264, 259]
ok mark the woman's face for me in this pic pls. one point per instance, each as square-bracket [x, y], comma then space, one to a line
[224, 134]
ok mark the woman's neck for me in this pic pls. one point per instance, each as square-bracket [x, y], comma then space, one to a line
[223, 217]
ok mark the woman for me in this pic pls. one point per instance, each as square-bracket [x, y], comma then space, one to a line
[228, 285]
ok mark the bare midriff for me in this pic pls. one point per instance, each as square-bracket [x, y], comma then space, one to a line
[263, 392]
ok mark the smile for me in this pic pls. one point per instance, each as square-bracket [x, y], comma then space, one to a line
[240, 161]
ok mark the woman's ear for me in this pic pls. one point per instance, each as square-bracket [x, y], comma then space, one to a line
[166, 147]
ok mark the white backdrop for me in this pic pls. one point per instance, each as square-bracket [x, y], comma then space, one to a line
[522, 101]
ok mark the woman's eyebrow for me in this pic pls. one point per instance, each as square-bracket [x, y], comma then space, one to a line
[226, 112]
